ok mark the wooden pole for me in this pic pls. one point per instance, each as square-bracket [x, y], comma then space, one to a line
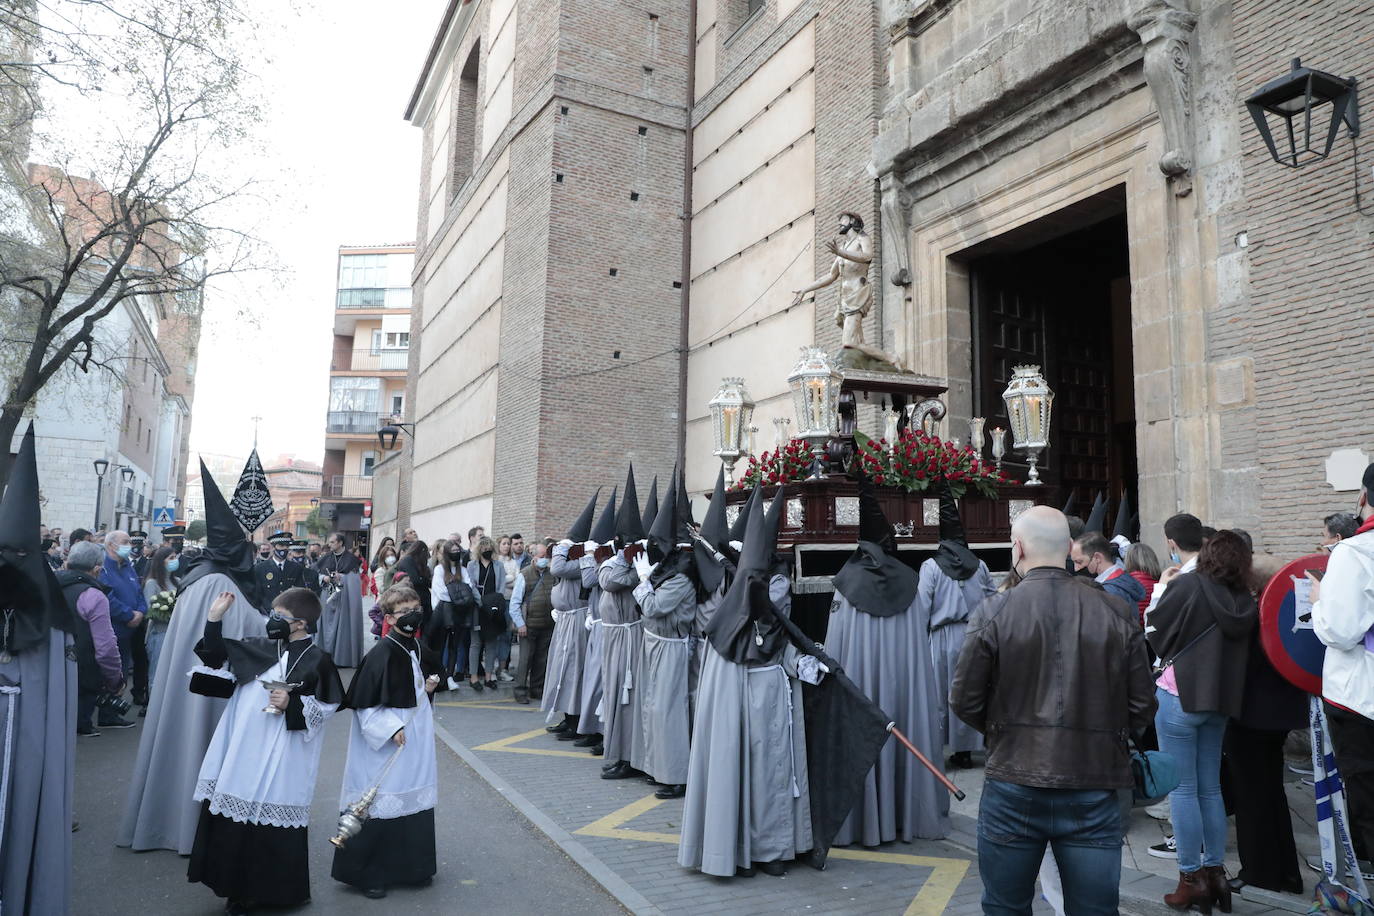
[944, 780]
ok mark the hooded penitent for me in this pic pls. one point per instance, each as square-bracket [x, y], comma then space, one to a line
[741, 525]
[628, 525]
[227, 549]
[953, 556]
[1097, 519]
[670, 526]
[29, 595]
[873, 579]
[1123, 518]
[646, 518]
[604, 532]
[1069, 504]
[744, 628]
[713, 532]
[582, 528]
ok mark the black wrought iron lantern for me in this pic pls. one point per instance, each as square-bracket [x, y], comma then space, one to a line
[1296, 99]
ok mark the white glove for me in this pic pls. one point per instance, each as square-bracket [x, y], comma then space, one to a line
[588, 622]
[589, 546]
[810, 669]
[644, 567]
[565, 543]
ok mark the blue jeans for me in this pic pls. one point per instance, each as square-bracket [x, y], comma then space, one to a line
[1195, 807]
[1082, 826]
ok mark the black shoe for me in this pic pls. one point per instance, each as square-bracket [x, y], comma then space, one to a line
[143, 713]
[375, 893]
[237, 907]
[651, 781]
[524, 701]
[492, 685]
[599, 750]
[673, 792]
[621, 770]
[776, 869]
[560, 727]
[475, 685]
[744, 873]
[607, 766]
[587, 741]
[963, 760]
[115, 722]
[87, 731]
[536, 696]
[569, 735]
[1236, 885]
[140, 697]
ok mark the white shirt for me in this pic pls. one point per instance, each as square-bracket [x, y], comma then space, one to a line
[1342, 618]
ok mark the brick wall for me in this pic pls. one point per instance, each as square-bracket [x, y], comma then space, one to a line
[1308, 323]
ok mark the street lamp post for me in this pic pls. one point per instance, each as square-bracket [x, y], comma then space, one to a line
[101, 466]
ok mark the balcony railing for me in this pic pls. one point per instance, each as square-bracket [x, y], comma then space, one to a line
[355, 421]
[373, 298]
[379, 360]
[347, 486]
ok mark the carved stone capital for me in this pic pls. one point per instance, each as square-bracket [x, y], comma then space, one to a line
[1166, 29]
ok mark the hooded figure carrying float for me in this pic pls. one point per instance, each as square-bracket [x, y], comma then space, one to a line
[953, 583]
[568, 646]
[878, 634]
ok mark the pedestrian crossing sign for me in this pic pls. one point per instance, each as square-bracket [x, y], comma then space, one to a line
[163, 517]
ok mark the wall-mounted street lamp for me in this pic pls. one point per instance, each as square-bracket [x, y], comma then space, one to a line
[1294, 99]
[387, 435]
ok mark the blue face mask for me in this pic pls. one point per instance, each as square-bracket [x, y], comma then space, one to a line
[542, 562]
[123, 551]
[172, 564]
[1175, 558]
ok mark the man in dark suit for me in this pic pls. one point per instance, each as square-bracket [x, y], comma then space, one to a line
[278, 572]
[308, 572]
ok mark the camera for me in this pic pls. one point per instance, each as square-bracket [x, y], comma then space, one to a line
[113, 703]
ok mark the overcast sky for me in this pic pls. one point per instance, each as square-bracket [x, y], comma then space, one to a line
[346, 166]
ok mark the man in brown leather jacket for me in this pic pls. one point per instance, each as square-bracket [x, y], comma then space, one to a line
[1054, 674]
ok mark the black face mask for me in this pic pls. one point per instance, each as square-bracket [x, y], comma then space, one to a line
[455, 552]
[409, 622]
[279, 554]
[278, 628]
[486, 554]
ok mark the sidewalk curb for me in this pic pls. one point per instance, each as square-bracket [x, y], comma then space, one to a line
[599, 871]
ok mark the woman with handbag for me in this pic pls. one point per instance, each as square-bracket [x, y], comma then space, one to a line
[487, 577]
[446, 633]
[1202, 629]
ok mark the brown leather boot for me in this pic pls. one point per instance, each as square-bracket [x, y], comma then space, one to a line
[1219, 886]
[1192, 891]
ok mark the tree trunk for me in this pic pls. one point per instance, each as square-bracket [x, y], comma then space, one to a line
[10, 418]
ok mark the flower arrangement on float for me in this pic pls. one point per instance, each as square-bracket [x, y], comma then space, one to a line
[917, 459]
[789, 464]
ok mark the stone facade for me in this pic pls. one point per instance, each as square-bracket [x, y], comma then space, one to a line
[952, 127]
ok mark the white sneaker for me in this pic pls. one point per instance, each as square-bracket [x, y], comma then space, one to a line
[1159, 811]
[503, 676]
[1166, 850]
[453, 684]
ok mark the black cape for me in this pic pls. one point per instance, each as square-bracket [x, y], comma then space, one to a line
[310, 666]
[384, 678]
[876, 582]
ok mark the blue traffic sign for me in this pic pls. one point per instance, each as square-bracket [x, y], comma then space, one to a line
[163, 517]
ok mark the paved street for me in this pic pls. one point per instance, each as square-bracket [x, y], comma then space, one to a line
[526, 826]
[488, 854]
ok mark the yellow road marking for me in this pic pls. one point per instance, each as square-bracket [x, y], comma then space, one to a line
[508, 745]
[934, 896]
[475, 704]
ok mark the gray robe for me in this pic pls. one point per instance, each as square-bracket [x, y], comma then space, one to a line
[563, 673]
[669, 615]
[341, 624]
[748, 796]
[948, 604]
[622, 652]
[887, 658]
[589, 721]
[160, 813]
[704, 611]
[38, 728]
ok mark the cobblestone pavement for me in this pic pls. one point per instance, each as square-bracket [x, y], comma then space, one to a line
[627, 840]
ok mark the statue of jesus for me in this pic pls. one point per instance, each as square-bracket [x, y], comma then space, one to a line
[853, 253]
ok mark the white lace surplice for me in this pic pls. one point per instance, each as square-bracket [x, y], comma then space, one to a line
[257, 772]
[411, 785]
